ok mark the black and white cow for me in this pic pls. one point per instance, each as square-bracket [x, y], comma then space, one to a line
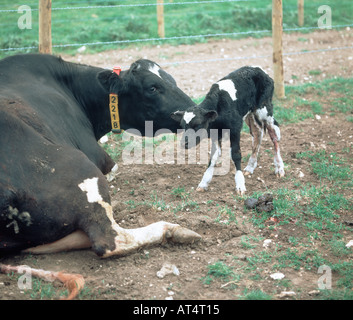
[245, 94]
[54, 195]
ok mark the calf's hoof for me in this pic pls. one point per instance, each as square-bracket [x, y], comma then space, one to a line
[280, 173]
[241, 192]
[199, 189]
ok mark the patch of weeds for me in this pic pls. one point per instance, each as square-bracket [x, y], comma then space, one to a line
[338, 247]
[327, 166]
[293, 258]
[226, 215]
[345, 270]
[131, 204]
[315, 72]
[245, 242]
[180, 193]
[258, 258]
[255, 295]
[157, 203]
[43, 290]
[221, 271]
[186, 203]
[315, 106]
[336, 294]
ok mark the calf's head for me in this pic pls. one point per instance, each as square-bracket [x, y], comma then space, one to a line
[146, 93]
[195, 121]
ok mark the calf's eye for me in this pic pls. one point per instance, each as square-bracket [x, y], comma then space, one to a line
[153, 89]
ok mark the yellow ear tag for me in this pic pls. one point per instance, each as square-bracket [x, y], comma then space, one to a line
[114, 112]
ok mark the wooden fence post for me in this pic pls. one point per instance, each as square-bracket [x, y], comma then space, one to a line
[300, 13]
[160, 18]
[45, 45]
[277, 31]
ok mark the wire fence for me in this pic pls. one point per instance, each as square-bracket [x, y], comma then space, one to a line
[154, 40]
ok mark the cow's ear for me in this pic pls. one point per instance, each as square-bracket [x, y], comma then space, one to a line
[177, 115]
[110, 81]
[211, 115]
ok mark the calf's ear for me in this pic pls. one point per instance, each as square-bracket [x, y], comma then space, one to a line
[177, 115]
[211, 115]
[110, 81]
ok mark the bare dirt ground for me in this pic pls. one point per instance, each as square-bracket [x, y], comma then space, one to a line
[143, 194]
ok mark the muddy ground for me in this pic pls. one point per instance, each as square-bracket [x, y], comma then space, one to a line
[142, 194]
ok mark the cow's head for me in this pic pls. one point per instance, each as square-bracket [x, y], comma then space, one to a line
[195, 122]
[146, 93]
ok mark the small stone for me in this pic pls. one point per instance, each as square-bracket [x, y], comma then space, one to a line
[277, 276]
[314, 292]
[167, 269]
[267, 243]
[285, 294]
[349, 244]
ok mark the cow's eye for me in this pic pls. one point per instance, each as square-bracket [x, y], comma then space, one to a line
[153, 89]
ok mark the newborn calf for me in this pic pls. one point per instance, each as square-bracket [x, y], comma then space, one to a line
[245, 94]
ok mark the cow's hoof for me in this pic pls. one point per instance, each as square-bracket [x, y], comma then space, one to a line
[199, 189]
[247, 173]
[184, 235]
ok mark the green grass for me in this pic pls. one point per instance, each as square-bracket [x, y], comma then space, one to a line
[301, 100]
[126, 23]
[328, 166]
[220, 271]
[256, 295]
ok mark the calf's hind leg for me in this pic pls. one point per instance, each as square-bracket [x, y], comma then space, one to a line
[257, 133]
[275, 135]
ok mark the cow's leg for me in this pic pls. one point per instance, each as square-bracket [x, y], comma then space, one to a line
[207, 176]
[257, 133]
[236, 157]
[73, 241]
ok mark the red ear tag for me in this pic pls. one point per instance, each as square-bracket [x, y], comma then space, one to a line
[117, 70]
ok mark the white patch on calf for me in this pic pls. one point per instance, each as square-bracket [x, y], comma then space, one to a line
[91, 187]
[154, 69]
[228, 86]
[188, 116]
[262, 114]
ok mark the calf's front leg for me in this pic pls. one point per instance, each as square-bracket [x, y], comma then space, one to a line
[236, 157]
[207, 176]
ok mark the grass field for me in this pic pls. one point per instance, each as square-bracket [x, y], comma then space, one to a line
[130, 23]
